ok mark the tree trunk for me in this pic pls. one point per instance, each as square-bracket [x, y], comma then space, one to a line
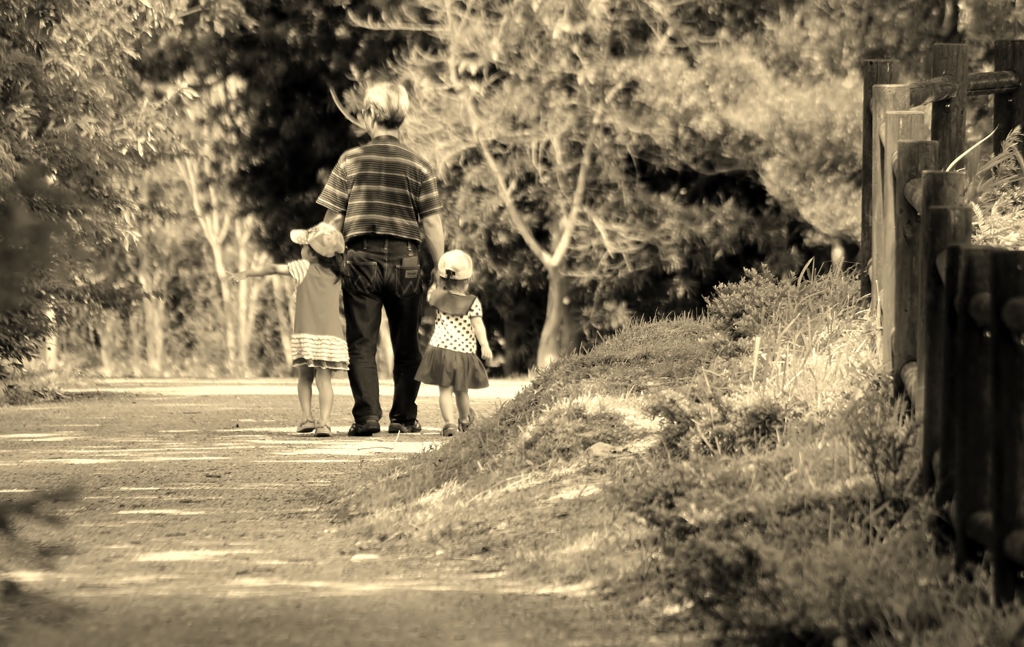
[248, 308]
[230, 333]
[556, 316]
[135, 333]
[244, 289]
[216, 226]
[153, 307]
[838, 255]
[284, 306]
[109, 333]
[572, 330]
[155, 323]
[248, 291]
[50, 357]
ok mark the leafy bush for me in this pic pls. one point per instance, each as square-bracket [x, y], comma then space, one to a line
[24, 250]
[745, 308]
[996, 195]
[761, 300]
[658, 497]
[883, 437]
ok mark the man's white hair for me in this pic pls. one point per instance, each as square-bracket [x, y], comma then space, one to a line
[388, 104]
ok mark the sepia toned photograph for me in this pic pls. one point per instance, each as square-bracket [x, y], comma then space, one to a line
[511, 323]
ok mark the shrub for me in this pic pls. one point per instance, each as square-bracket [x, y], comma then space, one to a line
[997, 196]
[745, 308]
[882, 437]
[656, 497]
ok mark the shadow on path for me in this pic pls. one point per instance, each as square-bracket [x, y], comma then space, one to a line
[203, 521]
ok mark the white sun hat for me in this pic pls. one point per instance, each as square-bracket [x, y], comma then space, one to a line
[455, 264]
[322, 237]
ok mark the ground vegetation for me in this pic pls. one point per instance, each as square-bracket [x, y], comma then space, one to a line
[744, 475]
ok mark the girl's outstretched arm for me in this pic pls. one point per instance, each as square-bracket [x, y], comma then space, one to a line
[261, 270]
[481, 337]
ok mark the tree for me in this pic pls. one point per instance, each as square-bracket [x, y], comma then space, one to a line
[547, 104]
[640, 145]
[286, 55]
[525, 90]
[71, 126]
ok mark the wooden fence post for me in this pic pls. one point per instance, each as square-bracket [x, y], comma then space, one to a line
[875, 72]
[887, 99]
[967, 440]
[939, 229]
[1009, 106]
[914, 157]
[899, 125]
[949, 117]
[1007, 312]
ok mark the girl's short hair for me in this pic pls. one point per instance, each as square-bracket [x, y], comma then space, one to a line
[388, 104]
[453, 284]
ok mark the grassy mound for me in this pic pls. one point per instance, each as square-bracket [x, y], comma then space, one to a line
[744, 475]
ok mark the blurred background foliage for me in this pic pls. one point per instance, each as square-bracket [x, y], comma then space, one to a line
[602, 159]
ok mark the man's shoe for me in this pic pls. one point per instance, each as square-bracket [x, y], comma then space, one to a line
[368, 428]
[399, 428]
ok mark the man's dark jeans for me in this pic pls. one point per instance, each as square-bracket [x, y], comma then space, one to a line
[376, 275]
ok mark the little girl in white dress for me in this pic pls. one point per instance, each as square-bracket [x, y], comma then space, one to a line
[318, 332]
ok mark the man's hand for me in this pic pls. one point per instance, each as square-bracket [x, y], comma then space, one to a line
[237, 277]
[334, 218]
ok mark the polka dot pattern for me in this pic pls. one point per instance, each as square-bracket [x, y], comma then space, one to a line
[453, 332]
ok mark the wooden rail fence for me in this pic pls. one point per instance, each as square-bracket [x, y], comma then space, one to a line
[951, 314]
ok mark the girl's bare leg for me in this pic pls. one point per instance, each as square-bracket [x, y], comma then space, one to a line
[447, 405]
[306, 392]
[462, 401]
[326, 394]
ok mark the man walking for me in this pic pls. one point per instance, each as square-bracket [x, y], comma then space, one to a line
[383, 197]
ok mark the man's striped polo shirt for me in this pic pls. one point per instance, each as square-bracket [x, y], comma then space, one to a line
[382, 189]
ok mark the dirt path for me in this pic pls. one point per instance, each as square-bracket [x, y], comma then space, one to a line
[205, 520]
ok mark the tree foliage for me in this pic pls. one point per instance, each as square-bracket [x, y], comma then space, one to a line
[70, 126]
[286, 54]
[587, 121]
[630, 153]
[706, 135]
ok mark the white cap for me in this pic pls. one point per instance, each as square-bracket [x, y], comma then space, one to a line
[322, 237]
[455, 264]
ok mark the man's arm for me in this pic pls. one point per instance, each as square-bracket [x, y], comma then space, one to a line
[433, 236]
[334, 218]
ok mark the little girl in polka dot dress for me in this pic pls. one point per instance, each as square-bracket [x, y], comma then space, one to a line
[450, 361]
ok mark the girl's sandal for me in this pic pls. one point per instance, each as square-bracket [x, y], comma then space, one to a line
[463, 426]
[306, 426]
[449, 429]
[322, 430]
